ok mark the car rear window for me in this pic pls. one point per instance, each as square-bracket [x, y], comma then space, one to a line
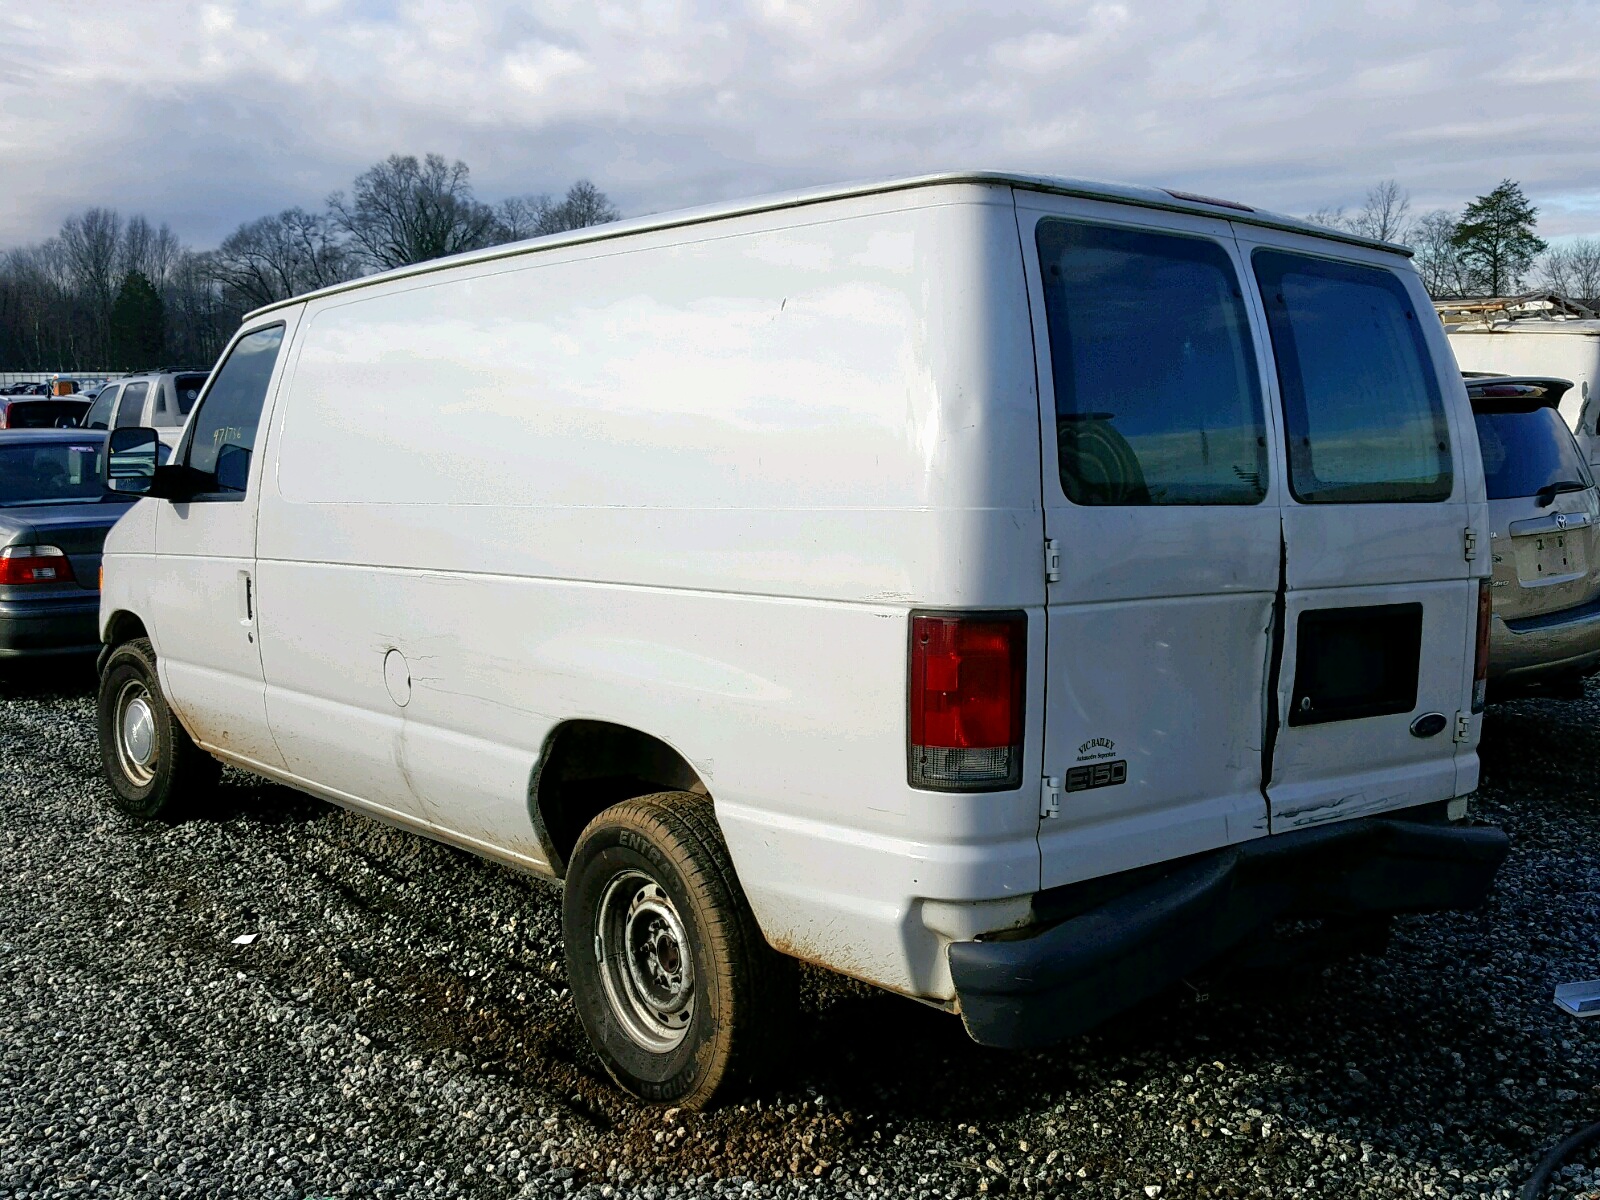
[1362, 406]
[1526, 451]
[187, 389]
[52, 473]
[42, 414]
[1157, 390]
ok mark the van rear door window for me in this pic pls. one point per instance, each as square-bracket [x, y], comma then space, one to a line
[1362, 407]
[1157, 392]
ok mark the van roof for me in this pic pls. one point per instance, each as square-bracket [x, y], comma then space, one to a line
[1144, 197]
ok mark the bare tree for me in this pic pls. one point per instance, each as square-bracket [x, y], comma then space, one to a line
[1386, 215]
[1573, 270]
[536, 216]
[522, 217]
[273, 258]
[583, 205]
[150, 251]
[404, 211]
[1329, 217]
[93, 245]
[1439, 263]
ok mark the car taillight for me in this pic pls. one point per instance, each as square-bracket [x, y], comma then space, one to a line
[1480, 662]
[34, 564]
[966, 702]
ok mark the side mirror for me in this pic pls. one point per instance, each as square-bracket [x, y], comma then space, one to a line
[131, 461]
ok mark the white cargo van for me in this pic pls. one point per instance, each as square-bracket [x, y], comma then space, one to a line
[1563, 348]
[1012, 592]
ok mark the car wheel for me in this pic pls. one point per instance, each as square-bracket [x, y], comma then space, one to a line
[681, 996]
[149, 760]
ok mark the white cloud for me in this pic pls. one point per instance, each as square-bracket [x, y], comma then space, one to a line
[209, 114]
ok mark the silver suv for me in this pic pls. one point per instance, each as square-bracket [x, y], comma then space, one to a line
[159, 400]
[1544, 521]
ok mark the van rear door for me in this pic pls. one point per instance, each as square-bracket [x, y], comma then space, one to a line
[1378, 609]
[1162, 519]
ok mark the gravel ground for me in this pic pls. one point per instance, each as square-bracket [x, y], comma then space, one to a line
[400, 1026]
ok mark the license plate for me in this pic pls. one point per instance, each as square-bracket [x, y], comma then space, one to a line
[1550, 556]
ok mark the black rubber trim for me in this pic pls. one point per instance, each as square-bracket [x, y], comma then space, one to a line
[1565, 616]
[1065, 979]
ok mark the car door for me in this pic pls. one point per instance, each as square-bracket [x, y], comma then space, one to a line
[1383, 517]
[99, 414]
[129, 413]
[1161, 513]
[209, 650]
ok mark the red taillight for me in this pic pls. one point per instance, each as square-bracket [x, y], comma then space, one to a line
[966, 675]
[1480, 662]
[34, 564]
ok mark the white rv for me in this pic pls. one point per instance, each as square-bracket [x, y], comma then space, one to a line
[1009, 591]
[1561, 348]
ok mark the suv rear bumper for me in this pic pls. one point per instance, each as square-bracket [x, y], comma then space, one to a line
[1566, 642]
[1017, 991]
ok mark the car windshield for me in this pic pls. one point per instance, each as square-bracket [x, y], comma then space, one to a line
[1524, 452]
[51, 473]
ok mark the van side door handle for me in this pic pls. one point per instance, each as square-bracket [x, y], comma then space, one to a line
[247, 598]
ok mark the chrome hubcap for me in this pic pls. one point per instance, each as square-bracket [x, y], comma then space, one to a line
[136, 733]
[645, 963]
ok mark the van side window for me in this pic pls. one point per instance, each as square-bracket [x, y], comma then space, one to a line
[224, 430]
[1362, 408]
[1158, 397]
[130, 409]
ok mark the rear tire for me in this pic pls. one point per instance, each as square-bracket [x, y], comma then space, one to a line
[681, 996]
[155, 770]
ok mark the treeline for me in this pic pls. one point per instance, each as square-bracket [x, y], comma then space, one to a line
[109, 292]
[1490, 248]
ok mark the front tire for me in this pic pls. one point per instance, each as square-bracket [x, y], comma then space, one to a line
[153, 767]
[679, 993]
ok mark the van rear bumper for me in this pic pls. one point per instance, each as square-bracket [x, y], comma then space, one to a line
[1018, 991]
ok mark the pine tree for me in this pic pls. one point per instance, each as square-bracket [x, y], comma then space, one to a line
[1494, 240]
[138, 324]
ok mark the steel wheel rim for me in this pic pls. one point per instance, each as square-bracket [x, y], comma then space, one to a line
[135, 727]
[645, 962]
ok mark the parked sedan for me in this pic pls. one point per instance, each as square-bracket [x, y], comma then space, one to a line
[54, 516]
[42, 412]
[1544, 519]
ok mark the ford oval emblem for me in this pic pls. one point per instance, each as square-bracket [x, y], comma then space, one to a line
[1428, 724]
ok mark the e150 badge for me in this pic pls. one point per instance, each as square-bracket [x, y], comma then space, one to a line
[1096, 775]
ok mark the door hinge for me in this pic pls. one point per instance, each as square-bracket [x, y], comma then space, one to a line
[1469, 542]
[1050, 797]
[1052, 561]
[1463, 727]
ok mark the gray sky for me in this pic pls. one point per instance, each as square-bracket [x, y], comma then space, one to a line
[208, 114]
